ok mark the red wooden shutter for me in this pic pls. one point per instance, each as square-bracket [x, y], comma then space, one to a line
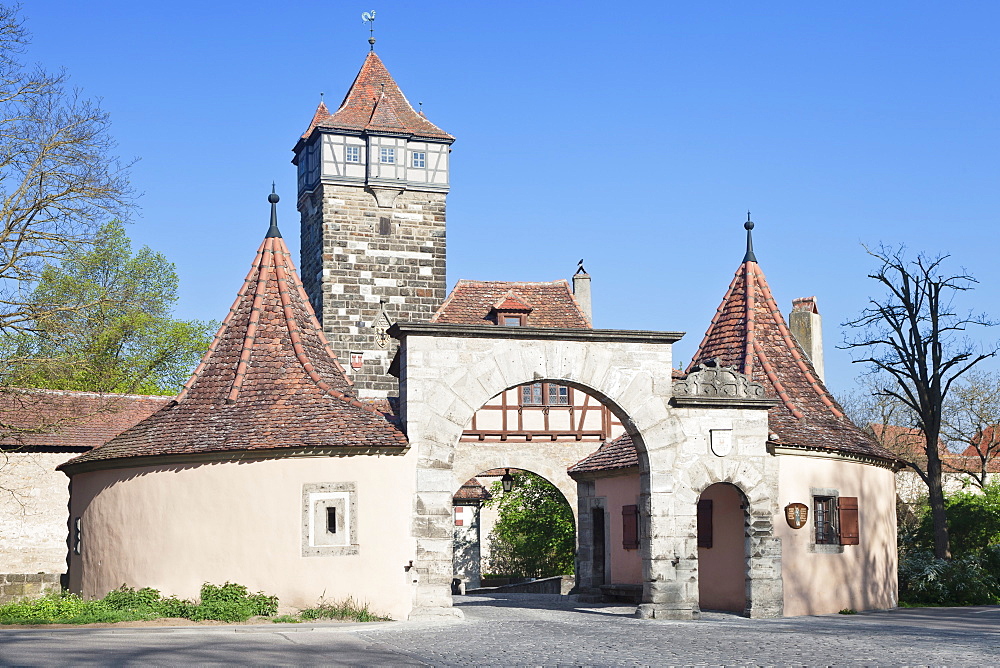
[630, 527]
[848, 509]
[705, 523]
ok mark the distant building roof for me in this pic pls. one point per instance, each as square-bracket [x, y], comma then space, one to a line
[269, 382]
[548, 304]
[34, 420]
[375, 103]
[472, 490]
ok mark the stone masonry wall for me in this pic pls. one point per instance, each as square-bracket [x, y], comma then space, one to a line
[358, 259]
[15, 586]
[33, 523]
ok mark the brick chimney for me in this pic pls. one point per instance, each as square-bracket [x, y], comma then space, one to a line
[807, 328]
[581, 291]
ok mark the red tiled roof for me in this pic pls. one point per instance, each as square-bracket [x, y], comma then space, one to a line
[269, 381]
[750, 334]
[71, 421]
[617, 454]
[472, 490]
[475, 303]
[512, 302]
[321, 115]
[374, 103]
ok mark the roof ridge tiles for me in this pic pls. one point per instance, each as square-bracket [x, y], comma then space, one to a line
[375, 103]
[269, 382]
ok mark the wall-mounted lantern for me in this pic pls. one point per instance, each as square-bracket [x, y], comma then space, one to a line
[507, 481]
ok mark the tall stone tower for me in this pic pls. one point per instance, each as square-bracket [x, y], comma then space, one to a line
[372, 183]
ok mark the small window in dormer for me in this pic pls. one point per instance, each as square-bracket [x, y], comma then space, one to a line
[419, 159]
[508, 320]
[387, 156]
[353, 154]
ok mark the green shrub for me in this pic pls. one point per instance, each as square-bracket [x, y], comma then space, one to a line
[973, 522]
[966, 580]
[228, 603]
[232, 603]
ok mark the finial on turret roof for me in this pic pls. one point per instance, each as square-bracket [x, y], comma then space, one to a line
[273, 199]
[748, 226]
[369, 18]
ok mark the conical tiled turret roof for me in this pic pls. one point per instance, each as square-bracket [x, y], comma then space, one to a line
[375, 103]
[268, 382]
[749, 333]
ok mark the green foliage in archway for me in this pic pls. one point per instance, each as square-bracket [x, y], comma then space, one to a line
[535, 535]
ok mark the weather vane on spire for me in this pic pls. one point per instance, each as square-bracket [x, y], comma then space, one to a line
[369, 18]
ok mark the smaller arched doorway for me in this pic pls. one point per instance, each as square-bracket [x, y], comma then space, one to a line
[722, 549]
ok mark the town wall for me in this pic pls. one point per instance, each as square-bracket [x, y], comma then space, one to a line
[33, 526]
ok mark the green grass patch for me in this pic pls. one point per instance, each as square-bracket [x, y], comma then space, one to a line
[347, 610]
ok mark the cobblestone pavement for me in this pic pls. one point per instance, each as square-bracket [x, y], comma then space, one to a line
[495, 632]
[523, 629]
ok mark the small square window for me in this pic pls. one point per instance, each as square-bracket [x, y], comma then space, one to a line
[558, 395]
[419, 159]
[353, 154]
[387, 156]
[825, 519]
[531, 395]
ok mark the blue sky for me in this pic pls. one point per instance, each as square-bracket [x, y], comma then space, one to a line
[634, 138]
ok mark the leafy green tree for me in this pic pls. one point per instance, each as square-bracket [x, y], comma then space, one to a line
[535, 534]
[105, 323]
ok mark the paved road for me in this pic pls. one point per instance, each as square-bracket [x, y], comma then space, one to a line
[529, 630]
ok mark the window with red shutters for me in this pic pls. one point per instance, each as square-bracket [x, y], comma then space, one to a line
[705, 523]
[630, 527]
[847, 508]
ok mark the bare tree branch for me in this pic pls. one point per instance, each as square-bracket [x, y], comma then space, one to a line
[914, 336]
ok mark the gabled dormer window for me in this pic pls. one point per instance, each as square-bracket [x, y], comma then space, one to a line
[511, 319]
[387, 156]
[353, 154]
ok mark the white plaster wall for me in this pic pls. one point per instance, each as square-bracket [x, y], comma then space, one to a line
[176, 527]
[33, 512]
[861, 577]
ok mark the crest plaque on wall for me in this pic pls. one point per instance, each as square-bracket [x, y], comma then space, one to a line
[796, 514]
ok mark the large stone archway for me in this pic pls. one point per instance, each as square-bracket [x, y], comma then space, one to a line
[448, 371]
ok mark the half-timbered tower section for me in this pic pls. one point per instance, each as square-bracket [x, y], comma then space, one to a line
[542, 411]
[372, 183]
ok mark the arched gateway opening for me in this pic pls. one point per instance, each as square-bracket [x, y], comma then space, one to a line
[449, 372]
[723, 557]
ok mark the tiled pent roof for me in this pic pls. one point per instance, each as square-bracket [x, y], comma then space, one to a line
[617, 454]
[472, 490]
[750, 334]
[32, 420]
[546, 304]
[268, 382]
[375, 103]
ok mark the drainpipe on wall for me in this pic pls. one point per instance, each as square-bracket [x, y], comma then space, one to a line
[806, 325]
